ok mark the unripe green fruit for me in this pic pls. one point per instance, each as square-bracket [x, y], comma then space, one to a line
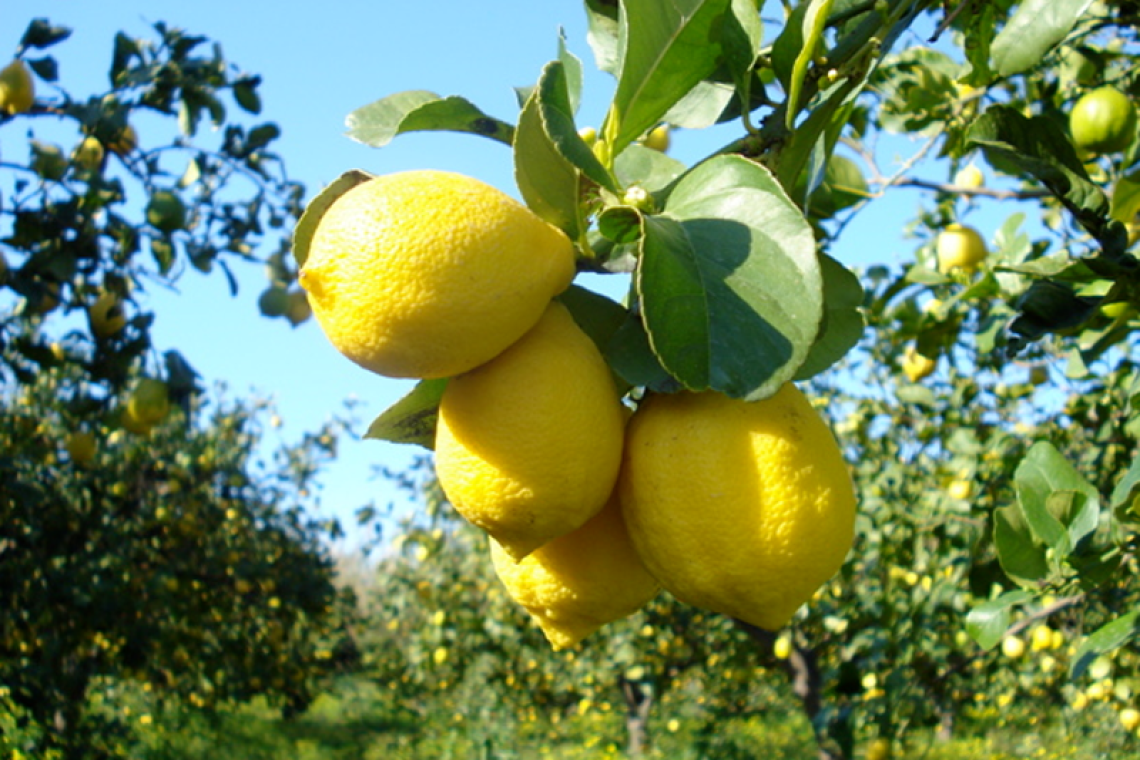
[1103, 121]
[166, 212]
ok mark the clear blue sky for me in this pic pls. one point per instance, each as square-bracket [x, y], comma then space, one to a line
[319, 62]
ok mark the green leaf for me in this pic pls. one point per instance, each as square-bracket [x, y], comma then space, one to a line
[602, 32]
[665, 49]
[1128, 488]
[811, 33]
[412, 419]
[41, 33]
[1126, 198]
[843, 322]
[598, 316]
[1021, 557]
[1042, 472]
[647, 168]
[551, 157]
[307, 224]
[572, 69]
[1108, 638]
[631, 357]
[988, 622]
[729, 281]
[420, 111]
[1032, 31]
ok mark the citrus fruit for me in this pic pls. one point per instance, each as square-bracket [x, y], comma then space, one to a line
[959, 247]
[431, 273]
[17, 89]
[1012, 647]
[742, 508]
[658, 138]
[89, 154]
[1130, 718]
[970, 177]
[1103, 121]
[274, 301]
[529, 444]
[879, 749]
[106, 315]
[150, 402]
[124, 141]
[917, 366]
[81, 447]
[298, 309]
[580, 581]
[165, 211]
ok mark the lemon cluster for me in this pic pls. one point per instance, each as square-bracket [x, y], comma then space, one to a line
[741, 508]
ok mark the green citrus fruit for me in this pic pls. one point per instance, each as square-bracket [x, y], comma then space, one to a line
[81, 447]
[106, 315]
[658, 138]
[89, 154]
[165, 211]
[959, 247]
[274, 301]
[1103, 121]
[150, 401]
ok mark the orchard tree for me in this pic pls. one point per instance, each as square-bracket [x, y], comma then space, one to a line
[989, 413]
[146, 533]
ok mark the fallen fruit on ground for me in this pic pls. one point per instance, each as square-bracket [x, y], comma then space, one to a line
[581, 581]
[959, 247]
[528, 445]
[430, 274]
[742, 508]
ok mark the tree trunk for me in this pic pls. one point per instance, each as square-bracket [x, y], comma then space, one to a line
[638, 698]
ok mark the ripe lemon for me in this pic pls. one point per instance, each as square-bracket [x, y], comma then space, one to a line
[578, 582]
[1130, 718]
[430, 273]
[17, 88]
[880, 749]
[970, 177]
[149, 403]
[959, 247]
[917, 366]
[737, 507]
[89, 154]
[528, 445]
[106, 315]
[1012, 647]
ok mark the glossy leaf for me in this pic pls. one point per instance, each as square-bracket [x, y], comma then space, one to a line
[412, 419]
[1021, 556]
[1032, 31]
[1108, 638]
[843, 322]
[307, 224]
[988, 622]
[377, 123]
[1043, 472]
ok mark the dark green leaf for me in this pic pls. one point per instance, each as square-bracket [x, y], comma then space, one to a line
[1032, 31]
[631, 357]
[1042, 472]
[41, 33]
[843, 322]
[46, 68]
[598, 316]
[665, 49]
[1108, 638]
[988, 622]
[1128, 488]
[412, 419]
[420, 111]
[621, 224]
[245, 93]
[307, 224]
[729, 281]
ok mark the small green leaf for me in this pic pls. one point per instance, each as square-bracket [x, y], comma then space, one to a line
[307, 224]
[664, 49]
[46, 68]
[412, 419]
[1108, 638]
[572, 69]
[1128, 488]
[41, 33]
[245, 93]
[621, 224]
[420, 111]
[1032, 31]
[729, 281]
[988, 622]
[1126, 198]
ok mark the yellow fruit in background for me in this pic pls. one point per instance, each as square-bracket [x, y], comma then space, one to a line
[580, 581]
[431, 273]
[960, 489]
[879, 749]
[742, 508]
[970, 177]
[150, 402]
[124, 142]
[1012, 647]
[133, 424]
[1129, 718]
[782, 649]
[1041, 638]
[658, 138]
[89, 154]
[81, 447]
[17, 88]
[1103, 121]
[917, 366]
[106, 315]
[960, 247]
[528, 445]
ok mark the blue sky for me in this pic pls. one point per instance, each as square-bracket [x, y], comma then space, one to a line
[318, 63]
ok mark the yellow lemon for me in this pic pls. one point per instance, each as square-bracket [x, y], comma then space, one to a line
[580, 581]
[528, 445]
[106, 315]
[959, 247]
[970, 177]
[17, 88]
[149, 403]
[658, 138]
[742, 508]
[880, 749]
[1130, 718]
[89, 154]
[1012, 647]
[124, 141]
[917, 366]
[430, 273]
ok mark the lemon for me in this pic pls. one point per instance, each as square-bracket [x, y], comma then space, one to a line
[1012, 647]
[106, 315]
[528, 445]
[917, 366]
[880, 749]
[89, 154]
[742, 508]
[166, 212]
[658, 138]
[1130, 718]
[124, 141]
[970, 177]
[1103, 121]
[959, 247]
[149, 403]
[431, 273]
[1042, 638]
[17, 89]
[580, 581]
[298, 309]
[274, 301]
[81, 447]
